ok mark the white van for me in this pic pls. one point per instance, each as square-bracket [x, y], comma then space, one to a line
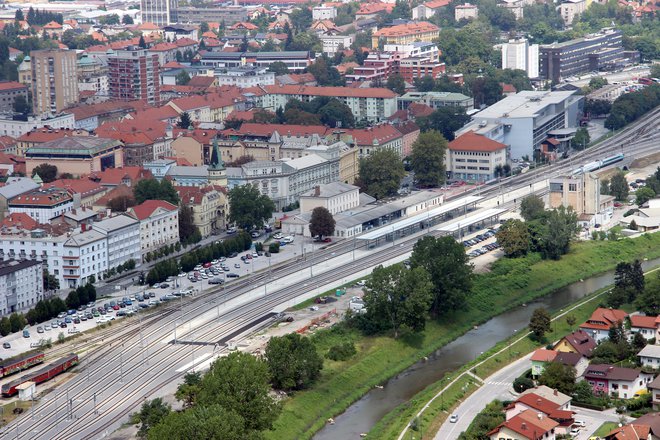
[288, 239]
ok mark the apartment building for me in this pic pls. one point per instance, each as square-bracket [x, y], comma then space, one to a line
[42, 205]
[519, 54]
[295, 61]
[158, 12]
[475, 158]
[159, 224]
[122, 233]
[21, 284]
[406, 33]
[134, 76]
[9, 91]
[54, 80]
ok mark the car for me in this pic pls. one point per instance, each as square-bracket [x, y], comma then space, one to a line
[580, 424]
[95, 314]
[40, 329]
[182, 275]
[278, 236]
[255, 254]
[70, 312]
[143, 305]
[6, 345]
[216, 281]
[255, 234]
[232, 275]
[83, 318]
[54, 323]
[152, 294]
[313, 308]
[164, 286]
[152, 302]
[76, 320]
[575, 432]
[204, 276]
[453, 418]
[116, 307]
[361, 283]
[63, 325]
[68, 320]
[47, 327]
[61, 315]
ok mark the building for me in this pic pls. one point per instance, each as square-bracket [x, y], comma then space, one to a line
[436, 100]
[649, 356]
[324, 13]
[92, 76]
[9, 91]
[525, 426]
[21, 284]
[644, 325]
[245, 76]
[296, 61]
[77, 155]
[525, 120]
[406, 33]
[373, 105]
[582, 193]
[134, 75]
[601, 321]
[159, 224]
[429, 9]
[43, 205]
[654, 389]
[413, 68]
[595, 52]
[577, 342]
[466, 12]
[617, 382]
[17, 127]
[332, 44]
[410, 132]
[335, 197]
[473, 157]
[158, 12]
[54, 80]
[218, 14]
[143, 140]
[519, 54]
[122, 233]
[377, 67]
[369, 140]
[209, 207]
[15, 186]
[188, 175]
[571, 9]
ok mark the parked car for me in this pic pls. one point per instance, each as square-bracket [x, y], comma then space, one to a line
[453, 418]
[40, 329]
[232, 275]
[6, 345]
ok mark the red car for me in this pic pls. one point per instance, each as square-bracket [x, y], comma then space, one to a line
[115, 307]
[327, 240]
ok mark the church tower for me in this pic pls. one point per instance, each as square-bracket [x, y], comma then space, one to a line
[217, 172]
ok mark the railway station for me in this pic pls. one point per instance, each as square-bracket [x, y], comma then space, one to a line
[419, 222]
[471, 223]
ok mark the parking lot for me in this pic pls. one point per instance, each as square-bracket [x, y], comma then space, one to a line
[481, 243]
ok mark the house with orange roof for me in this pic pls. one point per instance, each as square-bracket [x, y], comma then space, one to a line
[601, 321]
[368, 140]
[143, 140]
[324, 27]
[84, 191]
[43, 204]
[644, 325]
[244, 27]
[490, 157]
[406, 33]
[121, 176]
[373, 10]
[159, 224]
[18, 221]
[148, 29]
[54, 29]
[429, 9]
[526, 426]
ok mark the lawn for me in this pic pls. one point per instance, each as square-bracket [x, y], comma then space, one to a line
[605, 429]
[510, 283]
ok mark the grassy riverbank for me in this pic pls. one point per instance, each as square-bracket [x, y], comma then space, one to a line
[510, 283]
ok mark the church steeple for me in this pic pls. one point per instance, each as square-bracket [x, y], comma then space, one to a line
[217, 173]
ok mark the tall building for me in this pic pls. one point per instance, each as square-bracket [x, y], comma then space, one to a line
[54, 80]
[519, 54]
[134, 76]
[158, 12]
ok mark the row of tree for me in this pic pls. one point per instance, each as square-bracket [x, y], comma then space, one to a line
[631, 106]
[630, 287]
[81, 296]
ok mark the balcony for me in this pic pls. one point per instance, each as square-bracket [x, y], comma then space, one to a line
[71, 277]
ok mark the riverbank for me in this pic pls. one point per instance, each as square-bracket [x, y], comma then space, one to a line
[509, 284]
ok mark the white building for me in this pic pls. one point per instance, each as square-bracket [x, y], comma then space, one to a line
[519, 54]
[21, 285]
[324, 13]
[244, 76]
[42, 205]
[570, 9]
[335, 197]
[122, 233]
[414, 50]
[334, 43]
[159, 224]
[15, 129]
[466, 12]
[473, 157]
[649, 356]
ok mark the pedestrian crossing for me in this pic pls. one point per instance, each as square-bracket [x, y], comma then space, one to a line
[508, 384]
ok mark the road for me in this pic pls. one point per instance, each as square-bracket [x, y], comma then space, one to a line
[128, 363]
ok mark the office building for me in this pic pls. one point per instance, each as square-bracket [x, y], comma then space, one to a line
[474, 158]
[296, 61]
[134, 76]
[519, 54]
[54, 80]
[158, 12]
[245, 76]
[219, 14]
[595, 52]
[21, 284]
[406, 33]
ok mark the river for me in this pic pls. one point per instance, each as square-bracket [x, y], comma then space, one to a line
[366, 412]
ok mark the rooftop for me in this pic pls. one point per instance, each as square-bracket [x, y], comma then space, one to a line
[73, 145]
[523, 104]
[332, 92]
[330, 190]
[115, 223]
[650, 351]
[145, 209]
[10, 266]
[611, 372]
[471, 141]
[407, 29]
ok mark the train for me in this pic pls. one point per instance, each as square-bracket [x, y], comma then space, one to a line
[598, 164]
[12, 366]
[44, 374]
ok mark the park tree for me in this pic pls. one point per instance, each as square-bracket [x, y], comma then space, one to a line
[597, 82]
[46, 171]
[248, 208]
[187, 392]
[597, 107]
[424, 84]
[150, 414]
[188, 231]
[581, 139]
[336, 114]
[152, 189]
[17, 321]
[321, 224]
[532, 208]
[628, 283]
[643, 195]
[513, 236]
[184, 121]
[127, 19]
[324, 73]
[293, 362]
[559, 377]
[619, 186]
[203, 422]
[539, 323]
[396, 83]
[451, 272]
[241, 383]
[72, 300]
[427, 160]
[562, 227]
[570, 320]
[396, 297]
[447, 120]
[648, 301]
[381, 173]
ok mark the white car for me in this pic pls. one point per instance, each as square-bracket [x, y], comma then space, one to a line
[579, 424]
[183, 275]
[453, 418]
[101, 320]
[361, 283]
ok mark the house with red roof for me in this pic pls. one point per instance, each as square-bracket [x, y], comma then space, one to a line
[429, 9]
[368, 140]
[243, 26]
[647, 326]
[209, 206]
[114, 177]
[53, 29]
[18, 221]
[373, 9]
[193, 145]
[545, 403]
[601, 321]
[577, 342]
[144, 140]
[474, 157]
[159, 224]
[618, 382]
[526, 426]
[85, 192]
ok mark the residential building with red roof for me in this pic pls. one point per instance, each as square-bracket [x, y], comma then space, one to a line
[9, 91]
[577, 342]
[526, 426]
[373, 9]
[18, 221]
[159, 224]
[89, 117]
[406, 33]
[243, 26]
[42, 204]
[209, 205]
[645, 325]
[476, 158]
[632, 431]
[85, 192]
[368, 140]
[618, 382]
[601, 321]
[114, 177]
[429, 9]
[193, 145]
[143, 140]
[410, 132]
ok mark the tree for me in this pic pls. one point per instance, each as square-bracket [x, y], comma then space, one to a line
[184, 121]
[240, 383]
[322, 223]
[559, 377]
[605, 187]
[51, 282]
[581, 139]
[152, 189]
[16, 322]
[532, 208]
[562, 227]
[127, 19]
[324, 73]
[513, 236]
[381, 173]
[521, 384]
[616, 333]
[446, 120]
[187, 392]
[121, 203]
[278, 68]
[188, 232]
[142, 43]
[208, 422]
[150, 414]
[597, 107]
[597, 82]
[451, 273]
[619, 186]
[248, 208]
[428, 159]
[182, 78]
[46, 171]
[643, 195]
[638, 341]
[539, 323]
[396, 83]
[20, 105]
[336, 114]
[5, 326]
[18, 16]
[570, 320]
[424, 84]
[301, 19]
[396, 297]
[293, 362]
[486, 91]
[583, 392]
[648, 301]
[72, 300]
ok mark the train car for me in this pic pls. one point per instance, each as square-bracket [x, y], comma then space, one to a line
[12, 366]
[592, 166]
[42, 375]
[612, 159]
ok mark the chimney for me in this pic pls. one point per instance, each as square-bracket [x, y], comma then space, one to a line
[523, 426]
[108, 211]
[555, 393]
[540, 416]
[83, 227]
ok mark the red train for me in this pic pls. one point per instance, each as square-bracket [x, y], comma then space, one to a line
[42, 375]
[12, 366]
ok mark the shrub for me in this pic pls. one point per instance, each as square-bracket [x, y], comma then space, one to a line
[522, 383]
[274, 248]
[341, 352]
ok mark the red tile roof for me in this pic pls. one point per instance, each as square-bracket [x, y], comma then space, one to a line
[84, 187]
[145, 209]
[81, 112]
[418, 110]
[633, 431]
[375, 92]
[471, 141]
[243, 25]
[267, 130]
[543, 355]
[118, 191]
[133, 131]
[147, 26]
[538, 403]
[640, 321]
[201, 81]
[19, 220]
[11, 85]
[172, 65]
[527, 425]
[46, 135]
[115, 176]
[203, 136]
[377, 135]
[581, 342]
[53, 25]
[437, 4]
[374, 8]
[407, 29]
[604, 319]
[42, 197]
